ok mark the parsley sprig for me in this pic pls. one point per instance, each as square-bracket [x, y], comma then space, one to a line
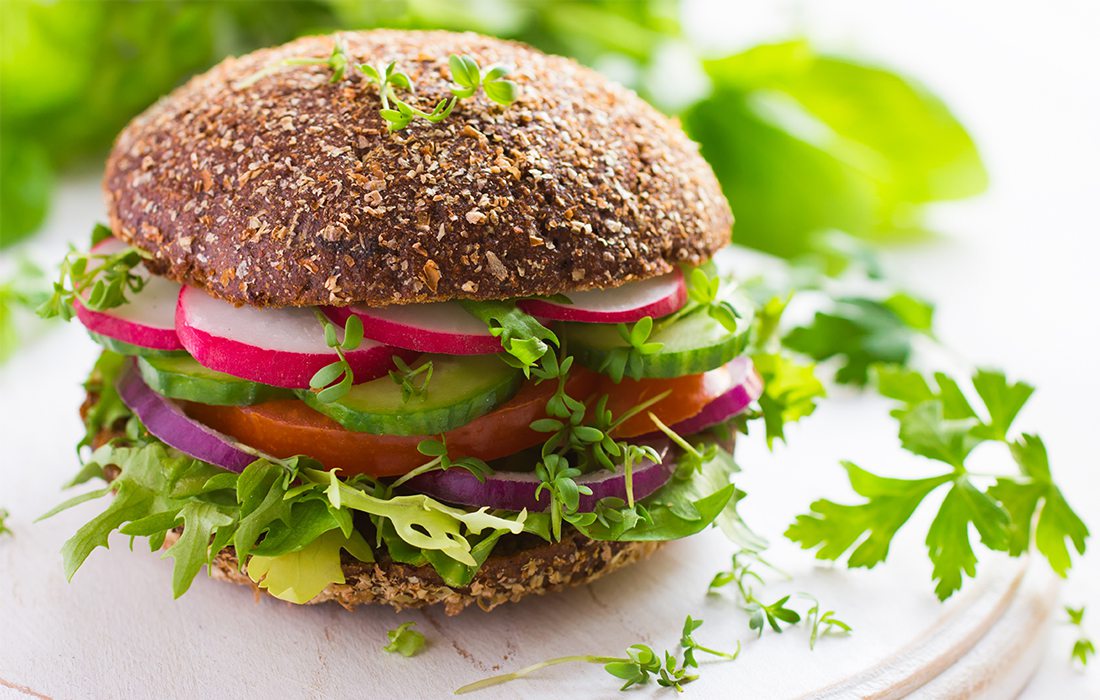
[333, 381]
[101, 281]
[637, 666]
[466, 76]
[1009, 515]
[862, 332]
[4, 529]
[404, 640]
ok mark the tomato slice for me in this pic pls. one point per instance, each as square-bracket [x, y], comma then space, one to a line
[288, 427]
[688, 396]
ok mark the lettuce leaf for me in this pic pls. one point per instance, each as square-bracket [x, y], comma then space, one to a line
[299, 576]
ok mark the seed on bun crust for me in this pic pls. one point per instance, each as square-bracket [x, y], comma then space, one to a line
[289, 191]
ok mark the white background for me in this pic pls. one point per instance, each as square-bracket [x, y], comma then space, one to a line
[1014, 276]
[1017, 276]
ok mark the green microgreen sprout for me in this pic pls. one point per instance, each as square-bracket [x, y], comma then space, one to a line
[639, 663]
[774, 613]
[333, 381]
[744, 576]
[693, 457]
[1083, 647]
[405, 377]
[404, 640]
[526, 342]
[467, 77]
[705, 295]
[611, 511]
[823, 623]
[629, 361]
[441, 461]
[558, 479]
[703, 291]
[101, 281]
[338, 62]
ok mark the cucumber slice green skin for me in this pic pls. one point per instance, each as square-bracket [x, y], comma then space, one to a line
[181, 377]
[123, 348]
[462, 388]
[694, 344]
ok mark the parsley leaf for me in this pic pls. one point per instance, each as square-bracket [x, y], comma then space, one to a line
[1083, 648]
[23, 289]
[791, 391]
[4, 529]
[868, 527]
[863, 332]
[1056, 523]
[948, 537]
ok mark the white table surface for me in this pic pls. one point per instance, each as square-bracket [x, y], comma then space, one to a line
[1016, 284]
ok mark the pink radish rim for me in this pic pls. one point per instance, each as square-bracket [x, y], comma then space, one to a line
[281, 368]
[127, 331]
[418, 339]
[551, 311]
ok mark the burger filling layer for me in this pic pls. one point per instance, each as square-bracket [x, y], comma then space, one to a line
[424, 434]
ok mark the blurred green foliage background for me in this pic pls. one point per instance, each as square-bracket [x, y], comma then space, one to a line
[804, 144]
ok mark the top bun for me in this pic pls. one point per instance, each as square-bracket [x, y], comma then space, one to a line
[289, 191]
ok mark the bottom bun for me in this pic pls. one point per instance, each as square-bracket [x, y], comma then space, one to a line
[504, 578]
[530, 566]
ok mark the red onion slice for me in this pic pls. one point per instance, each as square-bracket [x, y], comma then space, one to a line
[747, 387]
[164, 419]
[516, 490]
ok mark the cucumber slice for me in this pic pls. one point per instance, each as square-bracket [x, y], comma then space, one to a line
[693, 344]
[124, 348]
[181, 377]
[462, 388]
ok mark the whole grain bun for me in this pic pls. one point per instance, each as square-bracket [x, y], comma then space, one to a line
[534, 569]
[290, 191]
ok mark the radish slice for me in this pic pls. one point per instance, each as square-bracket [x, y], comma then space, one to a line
[279, 347]
[516, 490]
[146, 320]
[747, 387]
[443, 328]
[166, 420]
[656, 297]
